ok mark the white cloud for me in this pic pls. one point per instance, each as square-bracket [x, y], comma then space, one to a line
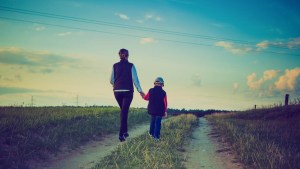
[64, 33]
[294, 43]
[275, 82]
[289, 80]
[291, 43]
[122, 16]
[263, 45]
[150, 17]
[35, 61]
[236, 87]
[147, 40]
[233, 48]
[158, 18]
[196, 79]
[139, 21]
[256, 84]
[40, 28]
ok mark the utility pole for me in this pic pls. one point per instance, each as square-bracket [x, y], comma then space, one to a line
[286, 101]
[31, 101]
[77, 100]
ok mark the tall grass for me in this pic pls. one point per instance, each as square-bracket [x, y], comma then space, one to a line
[28, 133]
[266, 138]
[145, 152]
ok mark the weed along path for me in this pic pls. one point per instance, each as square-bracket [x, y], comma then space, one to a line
[205, 151]
[87, 155]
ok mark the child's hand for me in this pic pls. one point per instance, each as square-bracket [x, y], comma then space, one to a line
[142, 94]
[166, 115]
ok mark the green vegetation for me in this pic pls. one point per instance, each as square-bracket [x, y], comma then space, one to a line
[145, 152]
[265, 138]
[33, 132]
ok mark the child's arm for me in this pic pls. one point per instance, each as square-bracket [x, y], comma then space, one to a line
[146, 97]
[166, 106]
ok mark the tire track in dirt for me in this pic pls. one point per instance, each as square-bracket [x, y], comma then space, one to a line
[88, 155]
[205, 150]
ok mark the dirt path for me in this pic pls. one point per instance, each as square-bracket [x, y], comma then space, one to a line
[89, 154]
[206, 150]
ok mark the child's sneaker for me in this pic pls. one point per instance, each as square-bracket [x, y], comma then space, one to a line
[126, 135]
[157, 139]
[122, 138]
[150, 134]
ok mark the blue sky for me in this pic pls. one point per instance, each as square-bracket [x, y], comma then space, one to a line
[212, 54]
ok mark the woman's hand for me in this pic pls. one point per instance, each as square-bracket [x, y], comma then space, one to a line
[142, 94]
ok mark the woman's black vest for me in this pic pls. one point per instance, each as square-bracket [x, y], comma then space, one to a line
[123, 75]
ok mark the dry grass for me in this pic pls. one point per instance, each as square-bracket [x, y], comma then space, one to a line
[266, 138]
[33, 132]
[145, 152]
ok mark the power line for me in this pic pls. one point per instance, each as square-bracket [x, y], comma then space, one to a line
[99, 31]
[131, 27]
[130, 35]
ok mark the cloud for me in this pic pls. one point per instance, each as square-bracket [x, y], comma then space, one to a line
[158, 18]
[233, 48]
[263, 45]
[147, 40]
[4, 90]
[275, 82]
[15, 90]
[256, 84]
[152, 17]
[40, 28]
[236, 87]
[289, 81]
[149, 17]
[291, 43]
[140, 21]
[64, 33]
[122, 16]
[14, 78]
[35, 61]
[196, 79]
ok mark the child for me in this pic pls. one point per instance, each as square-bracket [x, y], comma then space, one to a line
[157, 107]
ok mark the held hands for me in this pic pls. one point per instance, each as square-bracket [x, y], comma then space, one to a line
[142, 94]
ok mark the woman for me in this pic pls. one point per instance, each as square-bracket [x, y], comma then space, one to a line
[123, 77]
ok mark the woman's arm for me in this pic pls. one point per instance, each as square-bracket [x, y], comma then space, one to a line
[112, 77]
[135, 79]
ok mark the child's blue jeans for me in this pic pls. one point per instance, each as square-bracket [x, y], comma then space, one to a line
[155, 126]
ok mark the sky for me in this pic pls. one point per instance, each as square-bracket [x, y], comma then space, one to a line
[228, 55]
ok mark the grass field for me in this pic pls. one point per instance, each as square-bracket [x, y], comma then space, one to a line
[145, 152]
[33, 132]
[267, 138]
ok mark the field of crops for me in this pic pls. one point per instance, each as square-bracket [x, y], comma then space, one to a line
[264, 138]
[33, 132]
[145, 152]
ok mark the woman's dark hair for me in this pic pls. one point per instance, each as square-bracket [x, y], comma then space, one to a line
[124, 51]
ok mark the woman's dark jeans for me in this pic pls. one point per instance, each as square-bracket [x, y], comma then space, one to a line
[124, 100]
